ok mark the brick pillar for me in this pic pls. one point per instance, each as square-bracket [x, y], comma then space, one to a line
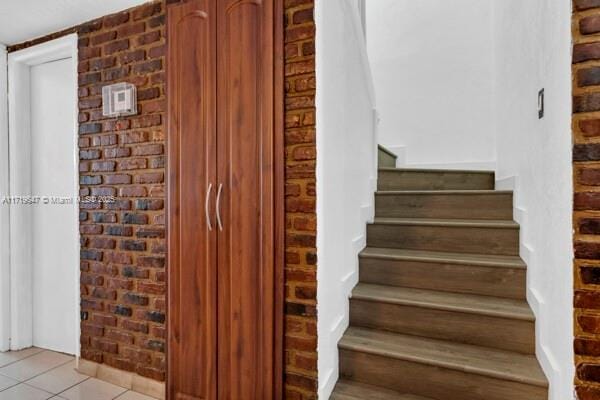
[586, 169]
[300, 156]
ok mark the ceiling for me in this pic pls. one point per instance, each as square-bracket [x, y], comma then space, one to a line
[22, 20]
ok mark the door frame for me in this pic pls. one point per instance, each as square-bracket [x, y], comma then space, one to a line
[19, 272]
[4, 209]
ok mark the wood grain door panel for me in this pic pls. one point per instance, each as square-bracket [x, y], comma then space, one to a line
[192, 312]
[245, 168]
[225, 312]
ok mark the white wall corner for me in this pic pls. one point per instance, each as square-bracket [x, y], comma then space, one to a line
[546, 354]
[4, 208]
[353, 15]
[346, 171]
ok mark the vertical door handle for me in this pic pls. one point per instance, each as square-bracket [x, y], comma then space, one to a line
[206, 206]
[219, 207]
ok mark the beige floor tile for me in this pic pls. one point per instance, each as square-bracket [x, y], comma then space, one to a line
[93, 389]
[6, 382]
[35, 365]
[24, 392]
[134, 396]
[58, 379]
[10, 357]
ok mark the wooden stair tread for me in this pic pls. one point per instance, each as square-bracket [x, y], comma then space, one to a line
[458, 223]
[349, 390]
[484, 361]
[444, 257]
[437, 171]
[438, 192]
[446, 301]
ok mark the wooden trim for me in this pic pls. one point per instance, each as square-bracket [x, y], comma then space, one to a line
[279, 243]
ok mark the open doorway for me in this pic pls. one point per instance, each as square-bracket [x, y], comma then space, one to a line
[43, 272]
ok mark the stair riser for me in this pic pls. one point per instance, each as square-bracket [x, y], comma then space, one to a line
[481, 330]
[446, 206]
[419, 180]
[470, 279]
[346, 390]
[432, 381]
[495, 241]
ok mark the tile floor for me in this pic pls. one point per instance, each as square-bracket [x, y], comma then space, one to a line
[37, 374]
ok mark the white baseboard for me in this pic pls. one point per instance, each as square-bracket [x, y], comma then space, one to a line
[328, 384]
[367, 213]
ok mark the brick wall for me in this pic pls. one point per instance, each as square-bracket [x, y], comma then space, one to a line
[123, 266]
[123, 244]
[300, 153]
[586, 219]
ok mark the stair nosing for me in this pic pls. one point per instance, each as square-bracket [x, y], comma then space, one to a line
[436, 170]
[444, 257]
[443, 192]
[441, 222]
[370, 349]
[530, 317]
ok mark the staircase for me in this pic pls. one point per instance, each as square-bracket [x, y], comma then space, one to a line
[440, 310]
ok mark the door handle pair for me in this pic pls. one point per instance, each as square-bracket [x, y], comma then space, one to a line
[207, 207]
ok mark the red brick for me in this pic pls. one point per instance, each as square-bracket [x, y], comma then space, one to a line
[586, 52]
[590, 128]
[587, 201]
[131, 29]
[303, 16]
[103, 38]
[116, 19]
[586, 4]
[88, 52]
[146, 11]
[590, 25]
[106, 140]
[132, 56]
[105, 345]
[135, 326]
[148, 38]
[116, 46]
[157, 52]
[147, 67]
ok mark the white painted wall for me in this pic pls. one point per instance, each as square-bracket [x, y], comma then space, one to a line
[346, 170]
[4, 209]
[533, 50]
[432, 62]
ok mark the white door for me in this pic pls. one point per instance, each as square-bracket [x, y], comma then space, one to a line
[53, 227]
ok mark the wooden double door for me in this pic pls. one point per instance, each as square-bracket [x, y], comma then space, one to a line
[225, 189]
